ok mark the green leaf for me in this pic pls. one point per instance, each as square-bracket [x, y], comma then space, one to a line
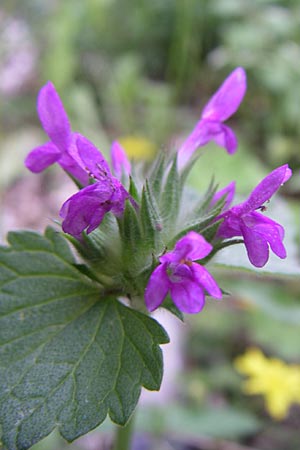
[133, 254]
[68, 356]
[150, 217]
[209, 232]
[205, 226]
[170, 306]
[101, 249]
[157, 175]
[198, 214]
[205, 201]
[133, 190]
[169, 204]
[130, 229]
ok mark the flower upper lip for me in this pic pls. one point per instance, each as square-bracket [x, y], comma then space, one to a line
[222, 105]
[62, 146]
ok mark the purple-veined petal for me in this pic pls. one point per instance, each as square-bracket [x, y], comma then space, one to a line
[80, 217]
[118, 198]
[178, 273]
[228, 97]
[192, 246]
[53, 116]
[72, 167]
[96, 219]
[188, 296]
[71, 162]
[266, 188]
[92, 159]
[257, 218]
[73, 149]
[203, 277]
[231, 225]
[273, 232]
[204, 131]
[226, 139]
[157, 287]
[119, 160]
[256, 246]
[229, 191]
[42, 157]
[86, 209]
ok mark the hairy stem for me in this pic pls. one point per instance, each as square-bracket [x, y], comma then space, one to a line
[123, 436]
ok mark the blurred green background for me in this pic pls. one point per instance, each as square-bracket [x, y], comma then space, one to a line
[140, 68]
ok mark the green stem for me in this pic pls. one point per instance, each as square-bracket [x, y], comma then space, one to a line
[123, 436]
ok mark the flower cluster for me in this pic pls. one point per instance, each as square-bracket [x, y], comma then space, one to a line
[159, 254]
[277, 381]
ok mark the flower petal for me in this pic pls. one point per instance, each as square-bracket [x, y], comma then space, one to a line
[256, 246]
[273, 232]
[71, 162]
[188, 296]
[42, 157]
[85, 209]
[206, 280]
[119, 160]
[229, 191]
[204, 131]
[178, 273]
[53, 116]
[157, 287]
[92, 159]
[266, 188]
[226, 138]
[118, 198]
[256, 219]
[228, 97]
[231, 225]
[192, 246]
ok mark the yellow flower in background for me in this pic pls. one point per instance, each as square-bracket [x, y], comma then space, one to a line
[138, 147]
[276, 381]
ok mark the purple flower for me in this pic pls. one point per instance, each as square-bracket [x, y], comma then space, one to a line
[62, 146]
[220, 107]
[184, 279]
[86, 208]
[258, 231]
[119, 160]
[229, 191]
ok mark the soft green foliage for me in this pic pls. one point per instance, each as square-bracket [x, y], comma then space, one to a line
[170, 198]
[231, 422]
[69, 355]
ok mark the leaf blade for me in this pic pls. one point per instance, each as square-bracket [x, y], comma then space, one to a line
[72, 357]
